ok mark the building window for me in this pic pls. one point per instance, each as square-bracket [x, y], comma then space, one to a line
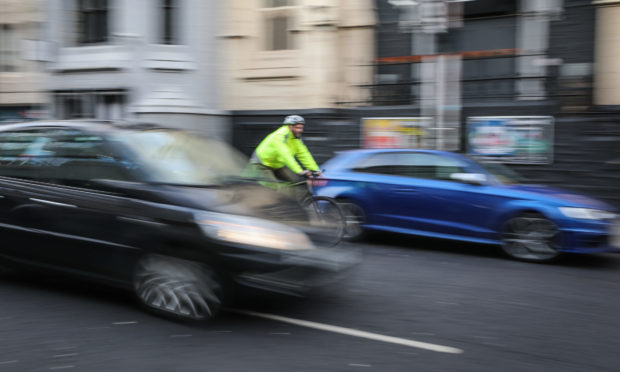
[104, 105]
[277, 3]
[9, 50]
[278, 30]
[169, 33]
[278, 37]
[93, 21]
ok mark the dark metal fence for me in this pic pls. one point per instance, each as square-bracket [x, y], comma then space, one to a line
[586, 146]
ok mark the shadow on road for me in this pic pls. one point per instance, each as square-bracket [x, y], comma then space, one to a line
[430, 244]
[594, 261]
[112, 301]
[67, 286]
[401, 241]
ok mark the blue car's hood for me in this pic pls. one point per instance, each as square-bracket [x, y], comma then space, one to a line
[567, 196]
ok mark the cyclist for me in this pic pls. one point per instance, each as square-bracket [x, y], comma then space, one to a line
[283, 152]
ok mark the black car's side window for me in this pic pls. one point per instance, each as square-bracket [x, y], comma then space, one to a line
[16, 158]
[59, 155]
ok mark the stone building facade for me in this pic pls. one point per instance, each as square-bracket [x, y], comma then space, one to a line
[297, 54]
[22, 77]
[155, 61]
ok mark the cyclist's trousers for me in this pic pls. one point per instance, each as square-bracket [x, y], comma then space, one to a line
[259, 170]
[286, 174]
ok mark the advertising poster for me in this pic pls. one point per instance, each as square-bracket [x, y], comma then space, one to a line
[511, 139]
[406, 132]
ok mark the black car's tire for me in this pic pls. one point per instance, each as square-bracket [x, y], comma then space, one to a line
[177, 288]
[354, 219]
[531, 237]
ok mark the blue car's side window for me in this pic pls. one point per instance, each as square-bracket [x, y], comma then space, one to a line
[411, 164]
[379, 163]
[428, 166]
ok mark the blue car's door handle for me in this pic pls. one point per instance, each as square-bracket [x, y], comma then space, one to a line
[406, 190]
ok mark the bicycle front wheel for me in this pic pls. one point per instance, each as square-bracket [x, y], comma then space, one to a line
[326, 219]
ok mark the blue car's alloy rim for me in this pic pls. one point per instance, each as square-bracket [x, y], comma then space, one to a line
[354, 218]
[531, 237]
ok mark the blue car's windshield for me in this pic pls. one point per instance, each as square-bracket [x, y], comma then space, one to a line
[504, 174]
[182, 158]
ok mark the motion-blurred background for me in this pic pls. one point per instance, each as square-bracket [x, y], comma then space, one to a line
[531, 83]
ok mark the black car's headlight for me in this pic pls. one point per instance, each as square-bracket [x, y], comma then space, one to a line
[586, 213]
[252, 231]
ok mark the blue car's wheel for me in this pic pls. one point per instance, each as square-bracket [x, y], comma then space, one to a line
[355, 218]
[531, 237]
[326, 218]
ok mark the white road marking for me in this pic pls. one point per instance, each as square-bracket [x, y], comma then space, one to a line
[124, 323]
[65, 355]
[9, 361]
[359, 365]
[61, 367]
[355, 332]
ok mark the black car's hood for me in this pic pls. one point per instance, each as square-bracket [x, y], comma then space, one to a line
[243, 198]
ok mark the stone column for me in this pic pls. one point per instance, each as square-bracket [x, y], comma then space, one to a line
[607, 54]
[533, 41]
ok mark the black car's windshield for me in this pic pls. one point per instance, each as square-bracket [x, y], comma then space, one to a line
[183, 158]
[504, 174]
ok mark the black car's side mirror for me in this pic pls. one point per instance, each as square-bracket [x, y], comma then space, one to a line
[470, 178]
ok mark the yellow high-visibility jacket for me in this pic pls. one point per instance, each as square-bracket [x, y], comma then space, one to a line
[281, 147]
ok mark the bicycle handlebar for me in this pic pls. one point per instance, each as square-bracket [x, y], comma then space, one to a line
[313, 174]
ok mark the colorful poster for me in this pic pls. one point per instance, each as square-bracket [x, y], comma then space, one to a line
[407, 132]
[511, 139]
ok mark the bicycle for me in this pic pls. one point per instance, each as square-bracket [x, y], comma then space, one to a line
[326, 217]
[324, 213]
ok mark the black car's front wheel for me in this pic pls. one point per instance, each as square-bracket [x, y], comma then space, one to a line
[177, 288]
[531, 237]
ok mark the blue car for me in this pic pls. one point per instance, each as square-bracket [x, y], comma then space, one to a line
[447, 195]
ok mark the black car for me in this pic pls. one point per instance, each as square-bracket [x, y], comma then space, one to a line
[160, 211]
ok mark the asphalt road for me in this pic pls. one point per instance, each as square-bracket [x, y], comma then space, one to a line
[413, 305]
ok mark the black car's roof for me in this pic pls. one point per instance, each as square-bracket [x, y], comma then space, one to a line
[86, 124]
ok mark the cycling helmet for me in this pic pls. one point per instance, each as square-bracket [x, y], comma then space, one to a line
[294, 119]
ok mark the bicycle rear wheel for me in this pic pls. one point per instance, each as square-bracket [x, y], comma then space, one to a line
[326, 219]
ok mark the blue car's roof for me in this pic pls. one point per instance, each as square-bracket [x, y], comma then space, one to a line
[370, 151]
[343, 158]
